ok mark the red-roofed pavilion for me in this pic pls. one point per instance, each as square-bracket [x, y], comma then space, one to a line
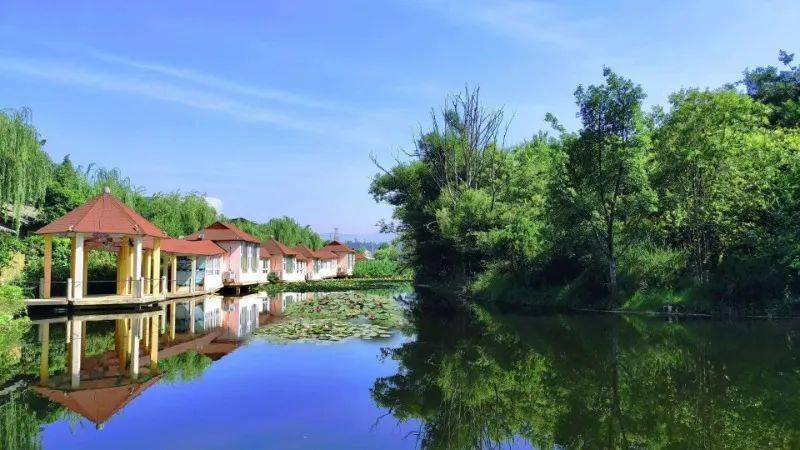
[105, 223]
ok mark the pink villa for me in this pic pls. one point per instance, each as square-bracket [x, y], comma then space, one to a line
[242, 267]
[284, 261]
[311, 261]
[346, 257]
[190, 267]
[321, 263]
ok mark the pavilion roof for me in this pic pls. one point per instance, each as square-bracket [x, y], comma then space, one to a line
[222, 231]
[103, 214]
[100, 404]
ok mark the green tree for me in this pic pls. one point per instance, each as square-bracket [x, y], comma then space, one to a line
[778, 88]
[24, 166]
[603, 176]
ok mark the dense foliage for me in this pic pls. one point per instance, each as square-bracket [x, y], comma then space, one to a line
[696, 205]
[386, 263]
[284, 229]
[24, 167]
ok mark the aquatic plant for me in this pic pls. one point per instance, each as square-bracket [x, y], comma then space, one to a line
[336, 316]
[324, 330]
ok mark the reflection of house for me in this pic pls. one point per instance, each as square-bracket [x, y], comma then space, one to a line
[241, 316]
[243, 262]
[284, 261]
[346, 257]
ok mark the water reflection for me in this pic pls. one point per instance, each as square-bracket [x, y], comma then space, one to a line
[597, 382]
[95, 364]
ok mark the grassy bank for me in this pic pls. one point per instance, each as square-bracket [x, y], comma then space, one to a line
[508, 293]
[338, 284]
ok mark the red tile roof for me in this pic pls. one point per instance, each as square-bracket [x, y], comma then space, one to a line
[305, 252]
[274, 247]
[221, 231]
[325, 254]
[184, 247]
[338, 247]
[99, 404]
[103, 214]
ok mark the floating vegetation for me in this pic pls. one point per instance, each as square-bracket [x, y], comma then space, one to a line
[324, 330]
[337, 316]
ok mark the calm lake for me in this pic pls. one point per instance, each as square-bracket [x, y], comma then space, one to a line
[482, 380]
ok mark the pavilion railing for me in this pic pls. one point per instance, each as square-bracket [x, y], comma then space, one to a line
[137, 288]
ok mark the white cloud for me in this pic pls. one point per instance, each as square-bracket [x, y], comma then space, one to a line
[214, 81]
[195, 98]
[215, 202]
[532, 21]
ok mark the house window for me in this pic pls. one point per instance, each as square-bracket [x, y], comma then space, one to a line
[264, 266]
[243, 261]
[288, 264]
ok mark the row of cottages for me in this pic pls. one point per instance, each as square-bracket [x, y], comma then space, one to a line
[300, 263]
[152, 266]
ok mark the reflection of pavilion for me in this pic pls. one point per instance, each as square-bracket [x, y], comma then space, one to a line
[98, 386]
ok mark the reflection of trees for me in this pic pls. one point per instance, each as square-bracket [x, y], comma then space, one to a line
[184, 367]
[22, 415]
[597, 382]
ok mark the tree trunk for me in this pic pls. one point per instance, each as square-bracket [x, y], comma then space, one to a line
[612, 280]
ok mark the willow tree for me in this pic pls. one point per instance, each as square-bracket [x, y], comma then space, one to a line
[24, 166]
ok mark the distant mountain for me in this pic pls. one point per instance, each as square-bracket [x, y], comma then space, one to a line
[375, 237]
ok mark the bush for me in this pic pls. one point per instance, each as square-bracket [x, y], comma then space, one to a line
[377, 268]
[647, 267]
[11, 300]
[272, 278]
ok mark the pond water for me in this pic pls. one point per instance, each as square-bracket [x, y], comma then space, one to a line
[483, 380]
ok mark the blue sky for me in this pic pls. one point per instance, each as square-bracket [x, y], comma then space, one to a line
[274, 107]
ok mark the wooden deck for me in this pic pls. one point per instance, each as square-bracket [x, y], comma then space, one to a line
[186, 294]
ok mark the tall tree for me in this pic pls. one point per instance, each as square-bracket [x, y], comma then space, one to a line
[604, 177]
[24, 166]
[779, 88]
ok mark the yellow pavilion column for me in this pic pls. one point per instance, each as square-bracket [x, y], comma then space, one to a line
[119, 341]
[119, 270]
[44, 363]
[86, 253]
[154, 344]
[174, 282]
[48, 265]
[146, 332]
[156, 267]
[131, 268]
[123, 265]
[172, 308]
[147, 272]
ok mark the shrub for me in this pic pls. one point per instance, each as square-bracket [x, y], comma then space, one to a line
[376, 268]
[272, 278]
[646, 267]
